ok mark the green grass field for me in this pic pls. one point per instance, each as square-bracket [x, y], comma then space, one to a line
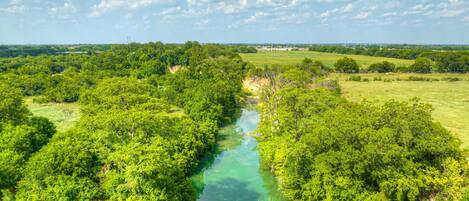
[450, 100]
[293, 57]
[63, 115]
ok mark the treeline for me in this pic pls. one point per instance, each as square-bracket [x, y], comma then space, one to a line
[143, 127]
[322, 147]
[444, 64]
[441, 61]
[36, 50]
[9, 51]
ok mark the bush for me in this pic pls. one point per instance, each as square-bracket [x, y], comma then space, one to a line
[421, 65]
[452, 79]
[402, 69]
[419, 78]
[355, 78]
[383, 67]
[346, 65]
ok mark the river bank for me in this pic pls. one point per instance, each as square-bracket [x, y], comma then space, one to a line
[233, 172]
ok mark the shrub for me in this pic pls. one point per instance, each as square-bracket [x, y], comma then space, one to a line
[452, 79]
[346, 65]
[421, 65]
[383, 67]
[355, 78]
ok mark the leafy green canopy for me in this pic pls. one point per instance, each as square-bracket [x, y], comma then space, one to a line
[322, 147]
[346, 65]
[21, 135]
[140, 137]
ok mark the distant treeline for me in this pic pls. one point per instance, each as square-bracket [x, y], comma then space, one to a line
[441, 60]
[36, 50]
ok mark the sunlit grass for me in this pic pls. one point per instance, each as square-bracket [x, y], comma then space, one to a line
[63, 115]
[293, 57]
[450, 100]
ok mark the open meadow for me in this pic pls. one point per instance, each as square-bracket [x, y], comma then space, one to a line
[293, 57]
[447, 93]
[63, 115]
[450, 99]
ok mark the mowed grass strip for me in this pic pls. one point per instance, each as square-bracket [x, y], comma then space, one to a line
[450, 100]
[63, 115]
[293, 57]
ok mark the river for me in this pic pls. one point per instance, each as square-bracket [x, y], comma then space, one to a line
[233, 173]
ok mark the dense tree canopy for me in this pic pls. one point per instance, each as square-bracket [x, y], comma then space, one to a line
[322, 147]
[151, 111]
[143, 128]
[21, 135]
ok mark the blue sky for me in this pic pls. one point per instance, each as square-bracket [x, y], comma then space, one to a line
[234, 21]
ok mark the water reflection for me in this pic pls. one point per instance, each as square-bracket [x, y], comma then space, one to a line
[233, 172]
[229, 189]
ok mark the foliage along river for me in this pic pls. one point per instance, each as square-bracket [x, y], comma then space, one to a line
[233, 173]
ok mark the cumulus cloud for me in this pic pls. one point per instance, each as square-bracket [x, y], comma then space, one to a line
[347, 8]
[362, 15]
[388, 14]
[419, 8]
[64, 11]
[450, 13]
[106, 5]
[251, 19]
[14, 7]
[344, 9]
[229, 8]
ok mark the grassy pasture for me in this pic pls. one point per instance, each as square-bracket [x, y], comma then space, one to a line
[293, 57]
[63, 115]
[450, 100]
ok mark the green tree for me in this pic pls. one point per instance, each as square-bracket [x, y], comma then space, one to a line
[346, 65]
[421, 65]
[12, 108]
[382, 67]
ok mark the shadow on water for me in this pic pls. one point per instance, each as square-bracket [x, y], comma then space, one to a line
[229, 189]
[232, 170]
[228, 138]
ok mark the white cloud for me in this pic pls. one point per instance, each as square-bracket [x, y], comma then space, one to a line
[251, 19]
[449, 13]
[347, 8]
[419, 8]
[466, 19]
[14, 7]
[328, 13]
[388, 14]
[64, 11]
[228, 8]
[202, 23]
[254, 18]
[106, 5]
[422, 7]
[280, 4]
[362, 15]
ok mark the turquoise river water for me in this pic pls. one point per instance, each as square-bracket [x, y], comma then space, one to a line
[233, 173]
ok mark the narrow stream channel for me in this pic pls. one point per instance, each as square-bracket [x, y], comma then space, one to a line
[234, 173]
